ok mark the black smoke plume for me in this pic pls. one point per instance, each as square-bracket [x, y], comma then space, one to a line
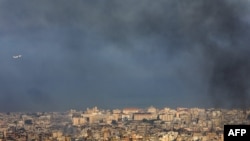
[218, 28]
[118, 53]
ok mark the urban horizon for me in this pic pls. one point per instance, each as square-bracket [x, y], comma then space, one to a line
[127, 124]
[129, 107]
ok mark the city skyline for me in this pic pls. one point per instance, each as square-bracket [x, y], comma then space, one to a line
[151, 123]
[60, 55]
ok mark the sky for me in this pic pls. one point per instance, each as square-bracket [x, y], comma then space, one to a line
[116, 54]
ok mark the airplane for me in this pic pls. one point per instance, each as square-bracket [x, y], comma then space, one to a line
[16, 56]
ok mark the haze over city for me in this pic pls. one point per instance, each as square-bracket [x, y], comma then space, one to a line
[59, 55]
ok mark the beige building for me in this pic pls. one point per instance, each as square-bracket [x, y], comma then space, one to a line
[78, 121]
[167, 117]
[152, 109]
[141, 116]
[116, 111]
[130, 110]
[170, 136]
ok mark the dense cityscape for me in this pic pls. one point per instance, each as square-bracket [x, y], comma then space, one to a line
[128, 124]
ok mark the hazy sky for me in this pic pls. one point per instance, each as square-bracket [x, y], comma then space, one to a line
[114, 54]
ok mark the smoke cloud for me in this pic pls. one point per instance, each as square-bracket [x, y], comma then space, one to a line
[114, 54]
